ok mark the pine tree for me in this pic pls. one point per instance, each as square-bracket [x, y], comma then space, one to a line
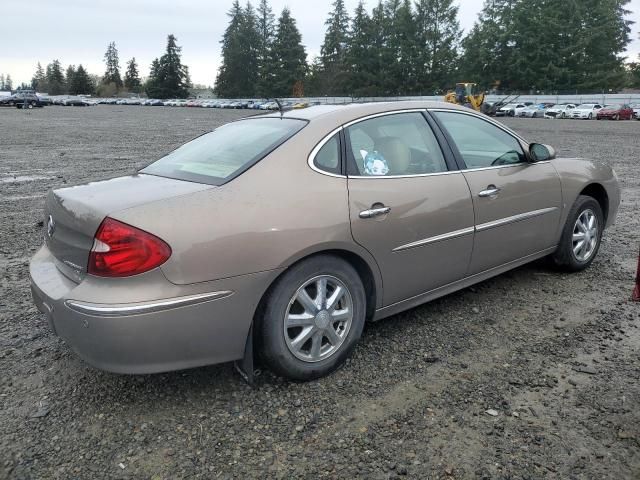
[38, 81]
[266, 33]
[359, 58]
[1, 81]
[289, 56]
[131, 77]
[55, 78]
[379, 51]
[438, 34]
[70, 73]
[334, 76]
[8, 83]
[168, 77]
[112, 73]
[239, 73]
[81, 83]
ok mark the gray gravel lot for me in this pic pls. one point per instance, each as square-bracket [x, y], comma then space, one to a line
[555, 355]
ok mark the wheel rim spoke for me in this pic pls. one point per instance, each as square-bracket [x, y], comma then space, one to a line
[302, 338]
[300, 319]
[335, 297]
[321, 296]
[306, 301]
[578, 236]
[316, 345]
[340, 315]
[332, 336]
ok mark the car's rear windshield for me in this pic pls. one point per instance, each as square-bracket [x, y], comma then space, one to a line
[221, 155]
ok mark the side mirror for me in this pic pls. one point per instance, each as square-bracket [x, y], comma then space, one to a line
[539, 152]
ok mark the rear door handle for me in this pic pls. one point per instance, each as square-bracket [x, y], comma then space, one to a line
[489, 192]
[374, 212]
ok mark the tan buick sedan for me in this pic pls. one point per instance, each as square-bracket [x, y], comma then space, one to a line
[286, 233]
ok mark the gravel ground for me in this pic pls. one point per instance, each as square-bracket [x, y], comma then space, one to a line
[533, 374]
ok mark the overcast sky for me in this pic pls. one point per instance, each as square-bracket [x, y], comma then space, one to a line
[78, 31]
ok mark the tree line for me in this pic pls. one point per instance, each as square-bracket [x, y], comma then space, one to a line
[168, 78]
[413, 47]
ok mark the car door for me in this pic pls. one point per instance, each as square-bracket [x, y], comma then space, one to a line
[517, 203]
[407, 207]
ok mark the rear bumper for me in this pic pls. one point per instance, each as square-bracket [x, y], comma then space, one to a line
[197, 325]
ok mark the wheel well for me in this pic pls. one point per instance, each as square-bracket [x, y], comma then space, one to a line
[597, 191]
[353, 259]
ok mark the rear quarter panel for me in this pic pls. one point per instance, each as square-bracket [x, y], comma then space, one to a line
[277, 212]
[576, 174]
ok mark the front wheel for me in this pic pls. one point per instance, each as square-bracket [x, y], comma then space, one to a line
[581, 235]
[313, 318]
[616, 117]
[590, 116]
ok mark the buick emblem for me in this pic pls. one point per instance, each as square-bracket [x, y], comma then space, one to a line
[51, 226]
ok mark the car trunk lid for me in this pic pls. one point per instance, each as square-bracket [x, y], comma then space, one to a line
[72, 215]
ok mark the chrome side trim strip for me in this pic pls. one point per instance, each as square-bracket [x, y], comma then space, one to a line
[106, 310]
[514, 218]
[445, 236]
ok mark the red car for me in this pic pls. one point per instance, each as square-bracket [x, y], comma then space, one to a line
[616, 112]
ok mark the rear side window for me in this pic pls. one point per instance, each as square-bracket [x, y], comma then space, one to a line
[219, 156]
[480, 143]
[396, 144]
[328, 157]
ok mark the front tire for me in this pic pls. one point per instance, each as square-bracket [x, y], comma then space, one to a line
[581, 235]
[313, 318]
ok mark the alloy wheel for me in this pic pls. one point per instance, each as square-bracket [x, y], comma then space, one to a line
[318, 318]
[585, 236]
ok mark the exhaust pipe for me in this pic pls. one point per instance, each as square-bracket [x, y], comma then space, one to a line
[636, 291]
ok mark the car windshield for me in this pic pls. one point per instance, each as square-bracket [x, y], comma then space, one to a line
[614, 107]
[219, 156]
[586, 106]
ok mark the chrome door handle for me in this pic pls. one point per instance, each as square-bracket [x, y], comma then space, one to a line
[374, 212]
[489, 192]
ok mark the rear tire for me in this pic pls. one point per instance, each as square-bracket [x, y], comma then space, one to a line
[572, 255]
[301, 335]
[616, 117]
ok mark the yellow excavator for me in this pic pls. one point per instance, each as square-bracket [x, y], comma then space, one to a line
[466, 94]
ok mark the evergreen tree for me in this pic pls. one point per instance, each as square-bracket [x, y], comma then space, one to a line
[333, 51]
[1, 81]
[239, 73]
[131, 77]
[359, 59]
[70, 73]
[8, 83]
[266, 33]
[81, 83]
[55, 78]
[112, 73]
[39, 80]
[438, 35]
[289, 56]
[169, 78]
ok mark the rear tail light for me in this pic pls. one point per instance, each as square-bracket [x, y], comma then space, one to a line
[120, 250]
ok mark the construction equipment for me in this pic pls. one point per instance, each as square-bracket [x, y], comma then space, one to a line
[466, 94]
[491, 108]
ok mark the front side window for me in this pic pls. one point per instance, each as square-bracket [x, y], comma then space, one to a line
[396, 144]
[480, 143]
[219, 156]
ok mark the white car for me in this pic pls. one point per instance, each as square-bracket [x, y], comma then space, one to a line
[511, 110]
[561, 110]
[636, 110]
[585, 111]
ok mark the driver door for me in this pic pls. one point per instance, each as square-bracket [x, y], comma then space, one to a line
[517, 203]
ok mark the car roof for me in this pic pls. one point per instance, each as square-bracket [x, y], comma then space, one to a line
[352, 111]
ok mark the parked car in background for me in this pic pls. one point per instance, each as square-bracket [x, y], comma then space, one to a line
[585, 111]
[511, 110]
[561, 110]
[74, 102]
[175, 266]
[532, 111]
[615, 112]
[26, 100]
[636, 110]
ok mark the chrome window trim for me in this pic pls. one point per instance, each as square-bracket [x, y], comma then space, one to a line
[312, 156]
[485, 118]
[438, 238]
[383, 114]
[514, 218]
[106, 310]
